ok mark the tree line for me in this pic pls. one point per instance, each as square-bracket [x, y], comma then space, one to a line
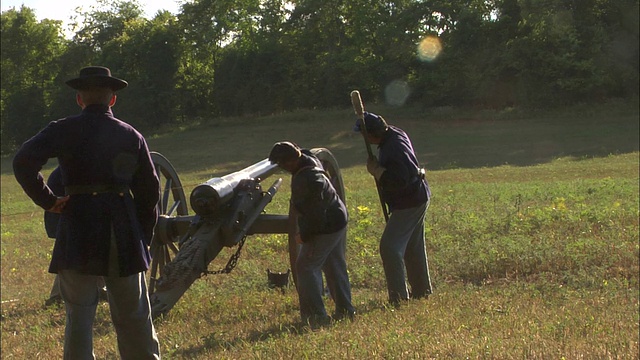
[248, 57]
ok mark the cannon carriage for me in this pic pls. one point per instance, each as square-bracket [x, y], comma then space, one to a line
[226, 210]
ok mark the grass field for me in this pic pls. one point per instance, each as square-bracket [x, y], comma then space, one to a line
[532, 237]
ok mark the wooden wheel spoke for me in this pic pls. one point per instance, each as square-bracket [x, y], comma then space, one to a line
[173, 248]
[162, 261]
[165, 195]
[172, 203]
[154, 270]
[174, 207]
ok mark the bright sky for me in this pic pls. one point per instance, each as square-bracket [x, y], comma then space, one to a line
[64, 9]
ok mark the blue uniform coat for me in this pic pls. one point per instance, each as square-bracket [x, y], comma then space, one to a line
[316, 200]
[401, 184]
[94, 148]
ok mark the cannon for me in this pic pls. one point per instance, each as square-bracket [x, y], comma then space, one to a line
[226, 210]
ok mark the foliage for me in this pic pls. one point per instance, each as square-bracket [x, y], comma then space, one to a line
[244, 57]
[29, 53]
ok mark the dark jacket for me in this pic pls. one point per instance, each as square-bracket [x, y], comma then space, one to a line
[401, 184]
[94, 149]
[321, 211]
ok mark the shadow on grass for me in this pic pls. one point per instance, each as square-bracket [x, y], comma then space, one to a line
[54, 316]
[472, 144]
[19, 310]
[442, 139]
[273, 332]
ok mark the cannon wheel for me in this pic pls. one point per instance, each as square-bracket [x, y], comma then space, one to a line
[330, 165]
[172, 203]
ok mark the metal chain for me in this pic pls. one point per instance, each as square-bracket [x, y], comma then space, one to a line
[231, 264]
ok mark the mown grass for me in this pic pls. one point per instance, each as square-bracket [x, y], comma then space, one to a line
[532, 239]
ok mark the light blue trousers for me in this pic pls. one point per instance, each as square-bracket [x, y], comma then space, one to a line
[402, 247]
[130, 312]
[323, 253]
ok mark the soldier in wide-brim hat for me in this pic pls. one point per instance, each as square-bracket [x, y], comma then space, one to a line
[107, 215]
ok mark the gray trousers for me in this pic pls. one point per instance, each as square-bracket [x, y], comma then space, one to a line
[130, 312]
[55, 289]
[323, 253]
[402, 247]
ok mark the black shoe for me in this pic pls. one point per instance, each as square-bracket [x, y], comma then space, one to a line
[341, 315]
[53, 301]
[396, 303]
[424, 294]
[421, 297]
[317, 321]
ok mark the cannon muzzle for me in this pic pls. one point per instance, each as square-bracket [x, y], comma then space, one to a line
[207, 197]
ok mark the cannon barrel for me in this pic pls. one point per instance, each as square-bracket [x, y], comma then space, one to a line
[209, 196]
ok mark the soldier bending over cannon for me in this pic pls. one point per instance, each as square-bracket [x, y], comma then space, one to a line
[322, 222]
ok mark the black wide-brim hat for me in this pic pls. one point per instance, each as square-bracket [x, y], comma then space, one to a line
[96, 76]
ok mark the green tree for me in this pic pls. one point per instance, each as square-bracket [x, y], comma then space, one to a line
[207, 26]
[613, 24]
[105, 21]
[531, 53]
[144, 52]
[29, 51]
[151, 54]
[455, 75]
[71, 60]
[236, 57]
[251, 73]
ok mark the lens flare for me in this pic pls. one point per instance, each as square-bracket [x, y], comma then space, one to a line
[397, 92]
[429, 48]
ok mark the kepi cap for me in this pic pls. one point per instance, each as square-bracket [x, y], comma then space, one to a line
[284, 151]
[372, 122]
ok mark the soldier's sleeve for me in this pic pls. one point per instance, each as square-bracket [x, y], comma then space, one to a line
[145, 188]
[28, 162]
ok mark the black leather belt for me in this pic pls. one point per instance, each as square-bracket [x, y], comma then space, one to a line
[96, 189]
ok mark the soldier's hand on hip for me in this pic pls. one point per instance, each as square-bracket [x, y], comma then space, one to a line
[58, 207]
